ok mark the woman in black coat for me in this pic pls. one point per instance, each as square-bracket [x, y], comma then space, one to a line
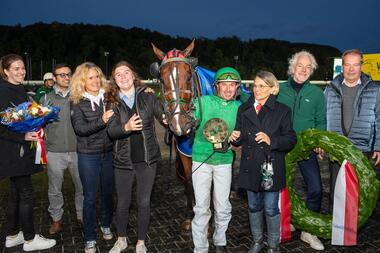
[17, 162]
[90, 117]
[136, 150]
[264, 129]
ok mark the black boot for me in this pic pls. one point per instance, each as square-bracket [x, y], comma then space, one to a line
[256, 223]
[273, 227]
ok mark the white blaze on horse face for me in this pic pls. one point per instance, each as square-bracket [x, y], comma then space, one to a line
[176, 118]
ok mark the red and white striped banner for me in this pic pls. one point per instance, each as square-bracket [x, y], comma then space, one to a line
[40, 149]
[284, 205]
[345, 211]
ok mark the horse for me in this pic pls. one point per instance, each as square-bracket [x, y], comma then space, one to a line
[179, 86]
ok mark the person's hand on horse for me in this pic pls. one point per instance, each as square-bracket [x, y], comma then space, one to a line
[107, 115]
[262, 137]
[133, 124]
[149, 90]
[234, 136]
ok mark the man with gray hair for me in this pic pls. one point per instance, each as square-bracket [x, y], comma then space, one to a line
[308, 106]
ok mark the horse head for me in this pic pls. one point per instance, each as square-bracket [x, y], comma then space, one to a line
[178, 83]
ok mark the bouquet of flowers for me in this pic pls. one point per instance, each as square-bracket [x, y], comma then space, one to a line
[30, 117]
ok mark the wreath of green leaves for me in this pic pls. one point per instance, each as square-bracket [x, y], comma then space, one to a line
[339, 148]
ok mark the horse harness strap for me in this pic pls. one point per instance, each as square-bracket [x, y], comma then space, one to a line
[175, 59]
[178, 101]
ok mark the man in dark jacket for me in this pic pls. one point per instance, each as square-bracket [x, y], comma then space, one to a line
[353, 109]
[308, 106]
[61, 149]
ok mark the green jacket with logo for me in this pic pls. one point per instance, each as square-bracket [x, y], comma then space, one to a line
[308, 106]
[42, 91]
[213, 107]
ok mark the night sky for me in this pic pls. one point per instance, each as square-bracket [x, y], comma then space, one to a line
[343, 24]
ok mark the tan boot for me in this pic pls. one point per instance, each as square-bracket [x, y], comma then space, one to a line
[55, 227]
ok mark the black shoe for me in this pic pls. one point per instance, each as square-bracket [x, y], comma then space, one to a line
[220, 249]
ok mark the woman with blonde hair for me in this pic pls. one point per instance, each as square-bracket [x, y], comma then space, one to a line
[89, 117]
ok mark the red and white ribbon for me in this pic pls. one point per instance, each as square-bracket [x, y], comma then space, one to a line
[40, 151]
[345, 210]
[284, 205]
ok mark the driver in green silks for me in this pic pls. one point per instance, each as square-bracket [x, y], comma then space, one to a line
[217, 168]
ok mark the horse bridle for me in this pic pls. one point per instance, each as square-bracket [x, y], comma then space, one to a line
[194, 91]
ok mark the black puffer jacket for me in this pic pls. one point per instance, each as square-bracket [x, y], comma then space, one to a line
[16, 156]
[147, 108]
[89, 127]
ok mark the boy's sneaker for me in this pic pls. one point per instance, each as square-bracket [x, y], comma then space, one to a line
[12, 241]
[107, 235]
[119, 246]
[90, 247]
[38, 243]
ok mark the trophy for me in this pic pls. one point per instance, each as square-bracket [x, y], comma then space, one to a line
[216, 131]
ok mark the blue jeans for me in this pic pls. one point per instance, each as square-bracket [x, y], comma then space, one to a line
[312, 177]
[267, 201]
[95, 170]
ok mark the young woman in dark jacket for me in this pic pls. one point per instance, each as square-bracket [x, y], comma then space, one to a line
[136, 149]
[17, 162]
[90, 117]
[264, 129]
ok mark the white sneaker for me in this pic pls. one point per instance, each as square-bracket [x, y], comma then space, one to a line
[107, 234]
[312, 240]
[38, 243]
[141, 248]
[119, 246]
[12, 241]
[90, 247]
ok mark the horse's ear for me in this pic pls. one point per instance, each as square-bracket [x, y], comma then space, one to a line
[189, 49]
[158, 52]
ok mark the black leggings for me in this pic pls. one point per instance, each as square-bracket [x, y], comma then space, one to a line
[20, 207]
[124, 183]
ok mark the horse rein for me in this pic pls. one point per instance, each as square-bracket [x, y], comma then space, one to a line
[177, 91]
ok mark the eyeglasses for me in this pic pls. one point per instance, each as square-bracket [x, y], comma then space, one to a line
[260, 87]
[228, 76]
[63, 75]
